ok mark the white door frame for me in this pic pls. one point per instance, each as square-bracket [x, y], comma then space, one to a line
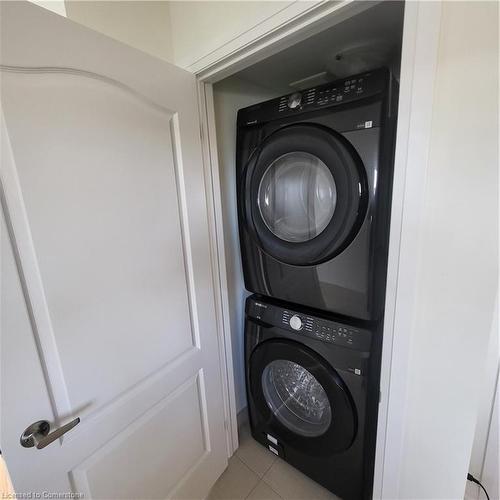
[418, 72]
[218, 259]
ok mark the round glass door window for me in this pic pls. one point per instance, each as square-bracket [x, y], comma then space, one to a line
[296, 398]
[297, 196]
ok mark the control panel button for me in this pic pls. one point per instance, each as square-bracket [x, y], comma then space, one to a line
[294, 100]
[296, 322]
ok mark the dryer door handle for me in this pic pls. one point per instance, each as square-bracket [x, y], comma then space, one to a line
[259, 322]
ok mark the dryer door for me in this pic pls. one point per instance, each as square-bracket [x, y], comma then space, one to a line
[302, 397]
[305, 194]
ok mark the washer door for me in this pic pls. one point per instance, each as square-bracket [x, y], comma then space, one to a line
[296, 398]
[302, 397]
[305, 194]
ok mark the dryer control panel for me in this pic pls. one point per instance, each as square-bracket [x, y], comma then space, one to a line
[303, 324]
[336, 93]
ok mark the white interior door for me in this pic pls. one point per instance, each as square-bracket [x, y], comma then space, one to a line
[107, 294]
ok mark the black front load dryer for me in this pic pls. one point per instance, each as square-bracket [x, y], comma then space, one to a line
[314, 176]
[312, 389]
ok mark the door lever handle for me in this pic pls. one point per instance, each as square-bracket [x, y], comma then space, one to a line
[37, 434]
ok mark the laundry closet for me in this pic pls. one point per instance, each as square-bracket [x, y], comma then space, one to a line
[321, 177]
[369, 40]
[356, 47]
[352, 44]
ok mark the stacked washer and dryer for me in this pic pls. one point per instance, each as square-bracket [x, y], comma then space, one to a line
[314, 177]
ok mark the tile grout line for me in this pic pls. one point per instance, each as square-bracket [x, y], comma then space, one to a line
[265, 482]
[264, 477]
[258, 482]
[246, 465]
[269, 468]
[251, 470]
[256, 472]
[261, 480]
[298, 473]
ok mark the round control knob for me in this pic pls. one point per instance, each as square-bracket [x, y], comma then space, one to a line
[296, 322]
[294, 100]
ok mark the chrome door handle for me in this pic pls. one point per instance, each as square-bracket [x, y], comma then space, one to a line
[37, 434]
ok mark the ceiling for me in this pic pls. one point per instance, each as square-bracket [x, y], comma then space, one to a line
[371, 38]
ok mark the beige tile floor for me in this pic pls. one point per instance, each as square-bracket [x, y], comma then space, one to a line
[258, 474]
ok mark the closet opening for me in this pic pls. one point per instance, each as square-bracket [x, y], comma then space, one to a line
[366, 41]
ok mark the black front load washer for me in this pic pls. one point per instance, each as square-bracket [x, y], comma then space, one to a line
[312, 389]
[314, 176]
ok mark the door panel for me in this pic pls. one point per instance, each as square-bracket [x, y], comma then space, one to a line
[146, 438]
[111, 233]
[104, 199]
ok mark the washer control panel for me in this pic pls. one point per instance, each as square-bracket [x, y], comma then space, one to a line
[319, 328]
[325, 330]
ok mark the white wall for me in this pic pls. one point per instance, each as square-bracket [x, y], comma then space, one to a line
[491, 467]
[144, 25]
[229, 96]
[180, 32]
[198, 28]
[484, 436]
[457, 267]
